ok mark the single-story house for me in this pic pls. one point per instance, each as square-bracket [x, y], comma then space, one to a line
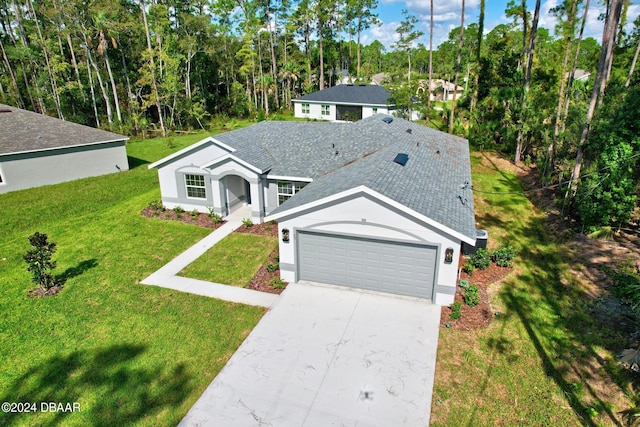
[37, 150]
[345, 102]
[382, 204]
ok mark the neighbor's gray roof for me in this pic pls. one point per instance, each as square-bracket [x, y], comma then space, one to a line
[25, 131]
[350, 94]
[342, 156]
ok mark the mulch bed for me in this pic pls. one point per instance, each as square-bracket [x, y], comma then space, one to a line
[40, 292]
[481, 315]
[264, 229]
[201, 219]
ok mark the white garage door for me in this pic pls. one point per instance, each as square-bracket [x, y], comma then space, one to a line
[378, 265]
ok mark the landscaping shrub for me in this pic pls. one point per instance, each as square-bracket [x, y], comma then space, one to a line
[472, 295]
[38, 259]
[179, 210]
[468, 268]
[156, 205]
[504, 255]
[247, 222]
[455, 310]
[464, 284]
[272, 266]
[194, 214]
[277, 283]
[481, 259]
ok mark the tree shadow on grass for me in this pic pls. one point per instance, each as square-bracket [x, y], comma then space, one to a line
[112, 384]
[554, 310]
[79, 269]
[557, 314]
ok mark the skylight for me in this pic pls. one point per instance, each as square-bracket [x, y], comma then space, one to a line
[387, 120]
[401, 159]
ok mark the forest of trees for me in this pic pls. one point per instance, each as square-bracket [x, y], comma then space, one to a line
[150, 68]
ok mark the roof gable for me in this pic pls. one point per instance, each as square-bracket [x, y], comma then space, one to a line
[25, 131]
[349, 94]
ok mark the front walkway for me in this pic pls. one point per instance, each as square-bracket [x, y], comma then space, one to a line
[166, 276]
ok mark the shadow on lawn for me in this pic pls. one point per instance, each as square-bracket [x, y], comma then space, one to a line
[135, 162]
[557, 314]
[79, 269]
[111, 384]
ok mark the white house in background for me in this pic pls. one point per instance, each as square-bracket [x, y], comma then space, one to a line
[37, 150]
[441, 90]
[345, 102]
[382, 204]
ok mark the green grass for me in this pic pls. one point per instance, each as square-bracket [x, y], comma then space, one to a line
[545, 360]
[129, 354]
[232, 261]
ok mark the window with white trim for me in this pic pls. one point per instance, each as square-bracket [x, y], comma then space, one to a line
[305, 109]
[375, 110]
[195, 186]
[286, 190]
[325, 110]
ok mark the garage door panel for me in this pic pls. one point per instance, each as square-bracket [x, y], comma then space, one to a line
[394, 267]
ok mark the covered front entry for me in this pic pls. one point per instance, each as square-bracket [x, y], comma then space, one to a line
[368, 263]
[237, 193]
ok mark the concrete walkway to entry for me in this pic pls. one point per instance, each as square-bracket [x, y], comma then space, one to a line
[329, 356]
[167, 277]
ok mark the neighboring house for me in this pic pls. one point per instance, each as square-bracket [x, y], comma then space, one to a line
[580, 75]
[379, 79]
[346, 102]
[37, 150]
[382, 204]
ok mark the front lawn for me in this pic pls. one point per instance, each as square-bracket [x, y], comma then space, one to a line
[548, 358]
[129, 354]
[232, 261]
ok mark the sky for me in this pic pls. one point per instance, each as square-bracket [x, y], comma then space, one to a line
[447, 16]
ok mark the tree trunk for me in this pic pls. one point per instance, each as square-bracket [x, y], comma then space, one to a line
[476, 73]
[527, 82]
[606, 56]
[563, 81]
[633, 65]
[74, 62]
[52, 78]
[320, 46]
[116, 101]
[105, 95]
[458, 61]
[154, 83]
[93, 93]
[430, 61]
[567, 97]
[14, 83]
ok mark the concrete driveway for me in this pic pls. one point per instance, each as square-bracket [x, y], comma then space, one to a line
[327, 356]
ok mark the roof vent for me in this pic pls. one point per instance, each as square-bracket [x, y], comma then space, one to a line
[349, 84]
[409, 131]
[387, 120]
[5, 110]
[362, 85]
[401, 159]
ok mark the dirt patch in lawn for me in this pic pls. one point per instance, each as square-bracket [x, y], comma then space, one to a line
[40, 292]
[200, 219]
[481, 315]
[264, 280]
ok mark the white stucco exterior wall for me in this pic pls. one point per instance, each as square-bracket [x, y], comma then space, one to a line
[366, 217]
[315, 111]
[28, 170]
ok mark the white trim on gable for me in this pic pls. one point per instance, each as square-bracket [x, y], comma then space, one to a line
[235, 159]
[289, 178]
[366, 190]
[189, 149]
[359, 104]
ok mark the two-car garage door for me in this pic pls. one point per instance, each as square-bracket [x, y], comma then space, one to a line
[378, 265]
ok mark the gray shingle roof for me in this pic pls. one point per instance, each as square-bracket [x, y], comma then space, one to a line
[25, 131]
[349, 94]
[429, 184]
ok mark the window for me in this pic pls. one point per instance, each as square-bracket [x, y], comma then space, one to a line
[305, 109]
[286, 190]
[325, 110]
[195, 186]
[375, 110]
[1, 180]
